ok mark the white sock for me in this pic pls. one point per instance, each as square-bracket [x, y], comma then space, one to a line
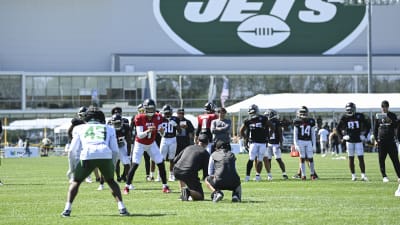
[68, 206]
[121, 205]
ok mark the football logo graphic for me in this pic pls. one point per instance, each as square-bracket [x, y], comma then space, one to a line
[263, 31]
[301, 27]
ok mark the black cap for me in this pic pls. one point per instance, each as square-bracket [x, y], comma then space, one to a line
[221, 145]
[384, 103]
[203, 138]
[181, 110]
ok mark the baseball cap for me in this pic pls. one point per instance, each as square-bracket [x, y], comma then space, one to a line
[385, 103]
[221, 145]
[203, 138]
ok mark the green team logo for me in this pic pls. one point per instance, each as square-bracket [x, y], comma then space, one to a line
[260, 26]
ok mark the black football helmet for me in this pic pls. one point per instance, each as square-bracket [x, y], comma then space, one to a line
[166, 110]
[253, 110]
[302, 112]
[116, 121]
[149, 106]
[270, 114]
[116, 110]
[95, 114]
[82, 112]
[350, 109]
[209, 107]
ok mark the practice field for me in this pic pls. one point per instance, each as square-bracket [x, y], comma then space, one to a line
[35, 189]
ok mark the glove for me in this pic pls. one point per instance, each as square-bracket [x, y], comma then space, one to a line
[346, 137]
[362, 138]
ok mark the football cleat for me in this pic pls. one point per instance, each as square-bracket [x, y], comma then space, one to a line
[285, 177]
[364, 178]
[131, 187]
[66, 213]
[100, 188]
[123, 212]
[185, 194]
[88, 180]
[313, 177]
[171, 178]
[257, 178]
[247, 179]
[397, 193]
[385, 180]
[269, 178]
[235, 198]
[296, 176]
[126, 191]
[218, 196]
[303, 178]
[166, 189]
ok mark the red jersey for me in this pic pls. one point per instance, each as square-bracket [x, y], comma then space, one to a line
[204, 124]
[141, 120]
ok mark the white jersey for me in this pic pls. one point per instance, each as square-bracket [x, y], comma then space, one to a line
[94, 141]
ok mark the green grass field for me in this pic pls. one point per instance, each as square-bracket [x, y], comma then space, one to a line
[35, 189]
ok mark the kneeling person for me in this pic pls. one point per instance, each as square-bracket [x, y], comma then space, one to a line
[188, 163]
[223, 174]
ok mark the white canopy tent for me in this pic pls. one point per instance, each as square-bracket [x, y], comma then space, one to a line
[317, 102]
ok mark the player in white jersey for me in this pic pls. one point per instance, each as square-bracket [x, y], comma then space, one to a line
[95, 145]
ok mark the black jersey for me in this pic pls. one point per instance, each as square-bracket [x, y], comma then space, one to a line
[275, 132]
[354, 126]
[385, 126]
[257, 129]
[170, 126]
[304, 127]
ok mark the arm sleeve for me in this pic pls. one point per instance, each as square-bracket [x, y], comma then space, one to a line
[211, 168]
[140, 133]
[295, 133]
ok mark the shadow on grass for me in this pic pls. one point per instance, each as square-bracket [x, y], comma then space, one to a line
[134, 215]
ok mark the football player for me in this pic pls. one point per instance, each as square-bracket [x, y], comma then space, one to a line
[254, 131]
[147, 125]
[122, 128]
[274, 144]
[95, 146]
[204, 123]
[123, 140]
[304, 138]
[168, 139]
[354, 128]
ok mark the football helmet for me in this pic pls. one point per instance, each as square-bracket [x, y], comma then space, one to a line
[253, 110]
[95, 114]
[302, 112]
[116, 110]
[209, 107]
[116, 121]
[350, 109]
[166, 110]
[270, 114]
[140, 108]
[82, 112]
[149, 106]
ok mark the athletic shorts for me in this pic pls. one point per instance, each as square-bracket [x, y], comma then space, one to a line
[86, 167]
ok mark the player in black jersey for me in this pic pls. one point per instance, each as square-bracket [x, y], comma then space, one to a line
[385, 128]
[274, 144]
[354, 128]
[304, 138]
[254, 131]
[168, 142]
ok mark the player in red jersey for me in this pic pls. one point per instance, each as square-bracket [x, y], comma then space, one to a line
[147, 126]
[204, 123]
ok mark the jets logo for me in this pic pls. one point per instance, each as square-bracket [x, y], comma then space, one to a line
[260, 26]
